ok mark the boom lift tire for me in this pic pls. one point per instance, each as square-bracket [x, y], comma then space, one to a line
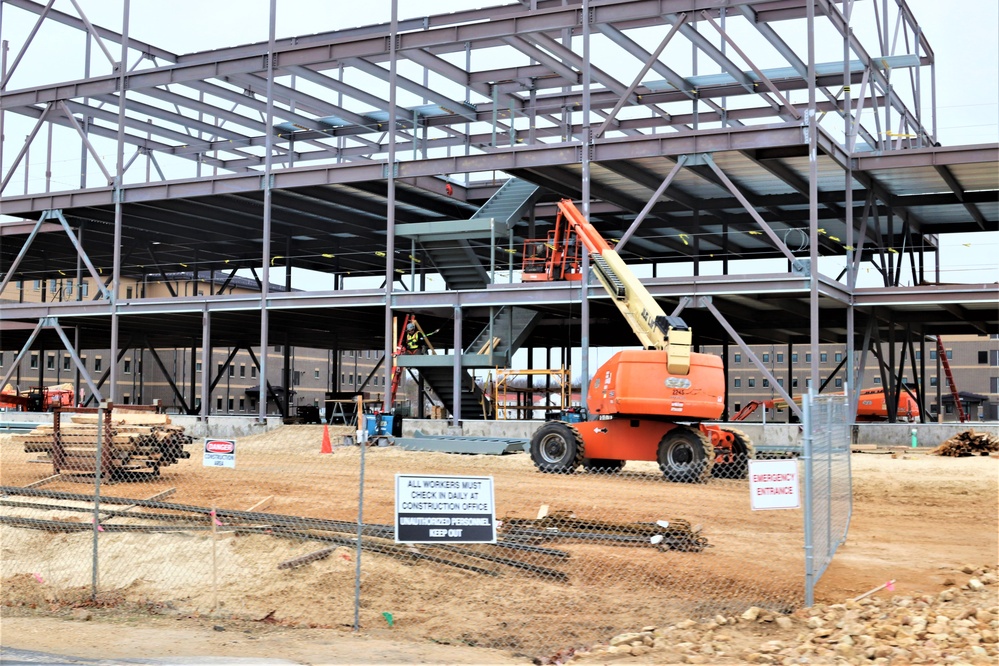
[557, 447]
[685, 455]
[742, 450]
[603, 465]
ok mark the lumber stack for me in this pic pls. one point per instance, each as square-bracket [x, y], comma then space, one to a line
[132, 440]
[968, 443]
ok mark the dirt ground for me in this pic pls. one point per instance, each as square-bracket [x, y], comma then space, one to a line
[916, 520]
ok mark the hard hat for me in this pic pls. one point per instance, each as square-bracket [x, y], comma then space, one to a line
[410, 326]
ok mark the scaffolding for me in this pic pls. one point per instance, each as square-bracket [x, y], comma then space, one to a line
[517, 395]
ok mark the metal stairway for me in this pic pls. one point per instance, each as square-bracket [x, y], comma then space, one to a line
[509, 327]
[447, 244]
[474, 404]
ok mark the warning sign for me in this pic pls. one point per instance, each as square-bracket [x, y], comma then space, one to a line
[219, 453]
[444, 509]
[774, 484]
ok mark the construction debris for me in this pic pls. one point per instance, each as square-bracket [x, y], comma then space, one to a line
[673, 534]
[968, 443]
[132, 439]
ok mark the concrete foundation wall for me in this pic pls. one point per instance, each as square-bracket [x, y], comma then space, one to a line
[215, 426]
[771, 435]
[929, 435]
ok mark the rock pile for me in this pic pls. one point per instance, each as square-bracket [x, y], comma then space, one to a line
[957, 626]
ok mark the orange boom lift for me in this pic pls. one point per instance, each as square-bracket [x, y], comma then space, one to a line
[645, 404]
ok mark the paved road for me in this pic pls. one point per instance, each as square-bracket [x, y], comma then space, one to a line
[12, 657]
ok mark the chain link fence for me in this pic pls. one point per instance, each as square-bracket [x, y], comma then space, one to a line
[828, 483]
[270, 533]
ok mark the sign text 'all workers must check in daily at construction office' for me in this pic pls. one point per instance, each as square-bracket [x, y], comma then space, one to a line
[444, 509]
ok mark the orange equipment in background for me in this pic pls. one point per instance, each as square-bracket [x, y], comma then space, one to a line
[871, 407]
[640, 400]
[38, 399]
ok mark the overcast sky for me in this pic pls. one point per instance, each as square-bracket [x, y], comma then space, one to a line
[962, 34]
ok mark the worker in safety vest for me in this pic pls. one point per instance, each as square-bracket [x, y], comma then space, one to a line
[415, 343]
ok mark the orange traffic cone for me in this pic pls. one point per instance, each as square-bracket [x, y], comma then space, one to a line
[327, 447]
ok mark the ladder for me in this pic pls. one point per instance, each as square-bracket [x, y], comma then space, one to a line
[397, 370]
[942, 355]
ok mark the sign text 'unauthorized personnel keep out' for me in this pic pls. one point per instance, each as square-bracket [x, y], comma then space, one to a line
[444, 509]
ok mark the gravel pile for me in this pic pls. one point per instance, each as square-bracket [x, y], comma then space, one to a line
[956, 626]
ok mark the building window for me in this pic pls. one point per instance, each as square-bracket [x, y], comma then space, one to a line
[232, 370]
[877, 380]
[242, 370]
[351, 380]
[277, 348]
[1, 359]
[738, 406]
[34, 361]
[823, 357]
[794, 357]
[993, 384]
[38, 285]
[50, 361]
[780, 357]
[808, 357]
[808, 382]
[367, 354]
[737, 383]
[983, 357]
[253, 371]
[752, 382]
[98, 364]
[296, 378]
[126, 366]
[242, 404]
[84, 289]
[67, 362]
[128, 292]
[53, 285]
[838, 357]
[794, 383]
[919, 355]
[933, 381]
[69, 287]
[766, 358]
[737, 358]
[231, 403]
[317, 373]
[221, 369]
[359, 380]
[766, 383]
[780, 382]
[197, 366]
[839, 383]
[126, 399]
[218, 403]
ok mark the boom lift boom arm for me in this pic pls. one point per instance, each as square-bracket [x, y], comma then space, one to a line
[654, 328]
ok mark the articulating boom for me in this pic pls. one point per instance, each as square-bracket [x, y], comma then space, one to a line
[643, 404]
[560, 261]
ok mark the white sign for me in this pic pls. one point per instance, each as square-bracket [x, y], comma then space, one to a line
[773, 484]
[219, 453]
[444, 509]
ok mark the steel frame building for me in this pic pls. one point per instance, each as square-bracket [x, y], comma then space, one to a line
[383, 151]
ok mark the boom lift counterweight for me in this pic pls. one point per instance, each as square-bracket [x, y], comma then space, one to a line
[648, 404]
